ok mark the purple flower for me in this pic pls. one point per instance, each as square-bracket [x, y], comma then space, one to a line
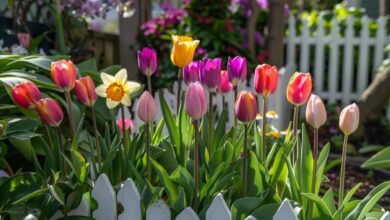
[262, 3]
[210, 73]
[236, 69]
[259, 38]
[147, 61]
[191, 72]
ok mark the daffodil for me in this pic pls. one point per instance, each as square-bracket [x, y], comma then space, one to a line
[116, 89]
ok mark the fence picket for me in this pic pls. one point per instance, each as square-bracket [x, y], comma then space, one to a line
[319, 57]
[386, 216]
[128, 196]
[218, 209]
[362, 77]
[291, 40]
[380, 42]
[333, 64]
[285, 212]
[250, 218]
[158, 211]
[305, 53]
[187, 214]
[347, 62]
[82, 210]
[104, 195]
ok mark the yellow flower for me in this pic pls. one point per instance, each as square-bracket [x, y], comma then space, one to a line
[116, 89]
[183, 50]
[274, 134]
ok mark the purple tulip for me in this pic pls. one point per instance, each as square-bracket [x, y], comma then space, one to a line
[195, 102]
[236, 69]
[147, 61]
[191, 72]
[210, 73]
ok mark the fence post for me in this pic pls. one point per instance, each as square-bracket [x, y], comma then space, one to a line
[347, 62]
[104, 195]
[333, 64]
[362, 77]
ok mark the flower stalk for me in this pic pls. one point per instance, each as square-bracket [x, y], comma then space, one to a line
[263, 130]
[98, 151]
[295, 131]
[314, 176]
[342, 170]
[70, 111]
[179, 79]
[245, 162]
[125, 144]
[148, 155]
[196, 165]
[210, 121]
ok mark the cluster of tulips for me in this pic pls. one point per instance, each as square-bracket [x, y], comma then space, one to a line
[198, 75]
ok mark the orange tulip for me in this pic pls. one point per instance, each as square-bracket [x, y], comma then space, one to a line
[266, 79]
[299, 88]
[246, 107]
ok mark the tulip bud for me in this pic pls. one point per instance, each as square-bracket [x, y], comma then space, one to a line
[26, 94]
[266, 79]
[191, 72]
[225, 86]
[236, 69]
[183, 50]
[146, 107]
[315, 112]
[349, 119]
[210, 73]
[246, 107]
[63, 74]
[196, 104]
[147, 61]
[85, 91]
[50, 112]
[299, 88]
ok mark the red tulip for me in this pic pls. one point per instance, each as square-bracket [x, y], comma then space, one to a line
[266, 79]
[349, 119]
[85, 91]
[299, 88]
[246, 107]
[50, 112]
[26, 94]
[63, 74]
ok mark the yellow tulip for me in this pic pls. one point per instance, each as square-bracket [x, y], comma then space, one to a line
[183, 50]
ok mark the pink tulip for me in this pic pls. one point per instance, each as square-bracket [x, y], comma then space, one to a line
[146, 107]
[246, 107]
[196, 104]
[225, 86]
[85, 91]
[50, 112]
[315, 112]
[63, 74]
[24, 39]
[26, 94]
[349, 119]
[128, 124]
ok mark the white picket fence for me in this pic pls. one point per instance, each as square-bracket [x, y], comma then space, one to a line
[130, 200]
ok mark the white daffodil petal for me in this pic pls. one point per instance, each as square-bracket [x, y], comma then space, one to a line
[107, 79]
[111, 104]
[101, 90]
[126, 100]
[132, 86]
[121, 76]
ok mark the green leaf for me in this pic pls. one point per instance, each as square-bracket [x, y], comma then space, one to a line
[304, 163]
[79, 164]
[322, 212]
[57, 193]
[321, 163]
[255, 181]
[329, 200]
[22, 125]
[243, 207]
[180, 203]
[22, 144]
[169, 186]
[266, 212]
[368, 202]
[76, 136]
[379, 160]
[183, 178]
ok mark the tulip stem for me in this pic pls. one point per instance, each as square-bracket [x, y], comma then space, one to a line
[196, 165]
[295, 128]
[98, 152]
[314, 176]
[179, 79]
[70, 112]
[263, 130]
[149, 84]
[124, 128]
[62, 161]
[342, 171]
[148, 164]
[235, 97]
[223, 103]
[245, 162]
[210, 121]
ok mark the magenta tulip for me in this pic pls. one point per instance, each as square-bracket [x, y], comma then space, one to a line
[195, 102]
[237, 70]
[210, 73]
[191, 72]
[147, 61]
[225, 86]
[146, 107]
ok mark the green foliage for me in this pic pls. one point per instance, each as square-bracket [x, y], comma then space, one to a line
[379, 160]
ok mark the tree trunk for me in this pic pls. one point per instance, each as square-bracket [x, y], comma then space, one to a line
[251, 27]
[373, 101]
[384, 9]
[276, 23]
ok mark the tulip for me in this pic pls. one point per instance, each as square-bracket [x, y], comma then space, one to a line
[315, 112]
[183, 50]
[50, 112]
[146, 108]
[147, 61]
[26, 94]
[128, 124]
[237, 70]
[225, 86]
[349, 119]
[246, 111]
[299, 88]
[63, 74]
[348, 123]
[210, 73]
[266, 79]
[195, 101]
[85, 91]
[246, 107]
[24, 39]
[191, 72]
